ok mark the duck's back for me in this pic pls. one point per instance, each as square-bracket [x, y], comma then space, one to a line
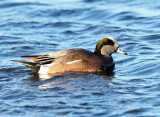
[78, 60]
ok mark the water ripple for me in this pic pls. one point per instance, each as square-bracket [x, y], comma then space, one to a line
[13, 4]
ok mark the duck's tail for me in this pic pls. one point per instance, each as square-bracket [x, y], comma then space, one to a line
[33, 65]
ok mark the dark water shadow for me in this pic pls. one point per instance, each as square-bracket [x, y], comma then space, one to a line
[67, 79]
[35, 76]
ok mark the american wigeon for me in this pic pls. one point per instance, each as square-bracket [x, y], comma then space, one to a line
[75, 60]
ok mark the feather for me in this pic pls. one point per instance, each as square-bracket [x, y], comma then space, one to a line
[34, 66]
[32, 58]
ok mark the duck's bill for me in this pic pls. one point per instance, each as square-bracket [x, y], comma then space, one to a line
[120, 51]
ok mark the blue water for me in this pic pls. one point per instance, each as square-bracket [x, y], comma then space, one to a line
[31, 27]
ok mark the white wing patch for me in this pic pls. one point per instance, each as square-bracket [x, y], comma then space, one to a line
[43, 71]
[44, 68]
[73, 61]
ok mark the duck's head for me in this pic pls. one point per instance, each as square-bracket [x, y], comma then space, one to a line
[106, 46]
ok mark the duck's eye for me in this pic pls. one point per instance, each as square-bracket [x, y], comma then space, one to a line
[109, 42]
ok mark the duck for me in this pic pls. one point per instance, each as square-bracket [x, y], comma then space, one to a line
[75, 60]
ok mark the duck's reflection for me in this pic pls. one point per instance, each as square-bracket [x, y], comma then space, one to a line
[65, 80]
